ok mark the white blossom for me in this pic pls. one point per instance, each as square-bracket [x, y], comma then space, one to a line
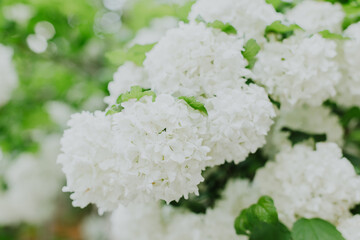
[150, 150]
[238, 121]
[299, 70]
[349, 227]
[316, 16]
[349, 87]
[33, 183]
[8, 76]
[250, 18]
[310, 183]
[192, 60]
[126, 76]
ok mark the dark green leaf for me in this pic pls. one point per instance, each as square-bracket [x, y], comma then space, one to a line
[298, 136]
[355, 161]
[195, 104]
[251, 49]
[263, 211]
[315, 229]
[135, 54]
[265, 231]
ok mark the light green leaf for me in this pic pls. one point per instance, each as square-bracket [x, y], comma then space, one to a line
[136, 92]
[284, 30]
[195, 104]
[225, 27]
[251, 49]
[135, 54]
[280, 6]
[315, 229]
[329, 35]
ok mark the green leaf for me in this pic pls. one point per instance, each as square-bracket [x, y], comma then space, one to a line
[283, 30]
[265, 231]
[329, 35]
[315, 229]
[135, 54]
[280, 6]
[352, 14]
[355, 161]
[251, 49]
[136, 92]
[195, 104]
[263, 211]
[225, 27]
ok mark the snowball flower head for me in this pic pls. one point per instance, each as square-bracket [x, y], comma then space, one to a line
[8, 76]
[315, 16]
[126, 76]
[34, 178]
[192, 60]
[349, 227]
[150, 150]
[310, 183]
[299, 70]
[250, 18]
[349, 86]
[238, 122]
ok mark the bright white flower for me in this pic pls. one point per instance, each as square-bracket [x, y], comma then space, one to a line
[155, 31]
[307, 119]
[127, 75]
[150, 150]
[299, 70]
[33, 182]
[238, 121]
[310, 183]
[138, 221]
[250, 18]
[316, 16]
[192, 60]
[349, 86]
[8, 76]
[349, 228]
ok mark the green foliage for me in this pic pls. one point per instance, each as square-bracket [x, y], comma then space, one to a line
[329, 35]
[281, 30]
[281, 6]
[135, 54]
[195, 104]
[352, 13]
[136, 92]
[224, 27]
[263, 211]
[299, 136]
[251, 49]
[315, 229]
[260, 221]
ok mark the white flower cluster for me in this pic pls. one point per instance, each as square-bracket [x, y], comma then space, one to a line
[150, 150]
[173, 224]
[299, 70]
[349, 86]
[32, 184]
[349, 227]
[316, 16]
[306, 119]
[310, 183]
[8, 76]
[250, 18]
[193, 60]
[239, 120]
